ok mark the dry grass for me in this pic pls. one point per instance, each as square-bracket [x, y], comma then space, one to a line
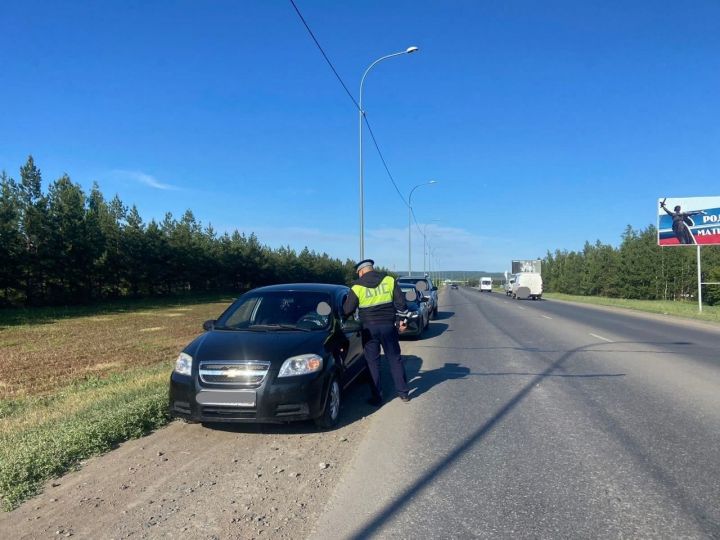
[41, 358]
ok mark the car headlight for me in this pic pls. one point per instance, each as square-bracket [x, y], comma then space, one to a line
[301, 365]
[183, 364]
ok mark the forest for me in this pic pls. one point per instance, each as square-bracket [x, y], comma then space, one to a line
[638, 268]
[68, 247]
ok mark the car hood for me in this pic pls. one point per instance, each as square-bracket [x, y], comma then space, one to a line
[274, 346]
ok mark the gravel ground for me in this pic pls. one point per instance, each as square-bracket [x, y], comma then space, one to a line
[227, 481]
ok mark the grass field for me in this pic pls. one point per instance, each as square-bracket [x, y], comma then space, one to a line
[678, 309]
[77, 382]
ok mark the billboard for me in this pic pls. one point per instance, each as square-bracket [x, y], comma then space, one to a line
[688, 221]
[532, 265]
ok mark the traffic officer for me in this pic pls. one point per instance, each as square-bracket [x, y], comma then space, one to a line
[379, 297]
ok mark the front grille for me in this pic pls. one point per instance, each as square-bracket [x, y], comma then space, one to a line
[247, 373]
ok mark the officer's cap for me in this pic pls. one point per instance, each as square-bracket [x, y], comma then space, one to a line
[364, 264]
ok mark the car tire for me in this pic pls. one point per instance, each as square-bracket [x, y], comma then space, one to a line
[331, 412]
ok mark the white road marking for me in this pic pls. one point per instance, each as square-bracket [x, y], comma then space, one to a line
[600, 337]
[546, 316]
[520, 307]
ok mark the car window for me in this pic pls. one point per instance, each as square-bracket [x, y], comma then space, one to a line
[277, 308]
[243, 313]
[415, 281]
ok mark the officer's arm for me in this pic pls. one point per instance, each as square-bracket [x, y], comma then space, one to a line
[350, 304]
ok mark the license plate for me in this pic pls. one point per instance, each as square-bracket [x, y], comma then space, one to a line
[228, 398]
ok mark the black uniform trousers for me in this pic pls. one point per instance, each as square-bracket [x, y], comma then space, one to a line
[385, 334]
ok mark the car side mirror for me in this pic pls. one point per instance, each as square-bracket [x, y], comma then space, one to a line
[434, 288]
[352, 325]
[209, 325]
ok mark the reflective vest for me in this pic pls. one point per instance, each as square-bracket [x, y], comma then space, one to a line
[382, 294]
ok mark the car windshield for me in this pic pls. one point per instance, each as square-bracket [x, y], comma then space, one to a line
[278, 310]
[414, 281]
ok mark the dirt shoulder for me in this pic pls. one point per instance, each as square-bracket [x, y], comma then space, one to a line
[230, 481]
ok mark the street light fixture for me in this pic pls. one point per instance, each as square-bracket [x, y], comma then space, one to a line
[425, 244]
[410, 222]
[361, 114]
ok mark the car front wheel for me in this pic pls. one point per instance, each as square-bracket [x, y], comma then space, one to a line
[331, 412]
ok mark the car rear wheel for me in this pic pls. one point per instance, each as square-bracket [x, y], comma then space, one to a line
[331, 413]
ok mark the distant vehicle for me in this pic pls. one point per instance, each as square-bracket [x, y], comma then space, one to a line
[417, 305]
[485, 284]
[425, 285]
[278, 353]
[509, 285]
[527, 285]
[454, 286]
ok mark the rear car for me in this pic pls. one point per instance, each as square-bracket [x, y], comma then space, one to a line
[485, 284]
[419, 313]
[277, 354]
[425, 285]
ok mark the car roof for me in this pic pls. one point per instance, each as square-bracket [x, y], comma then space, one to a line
[307, 287]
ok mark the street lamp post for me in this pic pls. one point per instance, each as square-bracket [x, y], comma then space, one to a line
[361, 114]
[410, 222]
[425, 245]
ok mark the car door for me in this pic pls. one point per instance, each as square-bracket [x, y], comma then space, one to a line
[353, 361]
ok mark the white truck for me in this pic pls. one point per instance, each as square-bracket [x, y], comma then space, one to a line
[485, 284]
[527, 285]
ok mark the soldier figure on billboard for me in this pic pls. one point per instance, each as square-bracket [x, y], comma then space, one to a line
[681, 223]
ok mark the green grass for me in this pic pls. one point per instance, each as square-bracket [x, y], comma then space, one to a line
[687, 310]
[103, 379]
[42, 437]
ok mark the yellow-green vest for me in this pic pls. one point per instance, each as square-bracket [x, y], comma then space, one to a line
[382, 294]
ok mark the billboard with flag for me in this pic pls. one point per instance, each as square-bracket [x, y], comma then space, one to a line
[688, 221]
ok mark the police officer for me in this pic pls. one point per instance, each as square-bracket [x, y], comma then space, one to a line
[379, 297]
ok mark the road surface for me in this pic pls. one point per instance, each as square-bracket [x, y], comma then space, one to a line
[542, 420]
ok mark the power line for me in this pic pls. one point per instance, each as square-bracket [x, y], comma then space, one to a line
[372, 136]
[325, 55]
[357, 106]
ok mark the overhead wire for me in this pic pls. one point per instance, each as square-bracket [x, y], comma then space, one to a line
[352, 98]
[325, 56]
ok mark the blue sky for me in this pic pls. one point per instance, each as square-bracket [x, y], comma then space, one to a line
[545, 124]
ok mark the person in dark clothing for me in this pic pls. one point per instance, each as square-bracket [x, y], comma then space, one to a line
[681, 223]
[378, 298]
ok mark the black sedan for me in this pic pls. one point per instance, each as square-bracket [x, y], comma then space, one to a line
[277, 354]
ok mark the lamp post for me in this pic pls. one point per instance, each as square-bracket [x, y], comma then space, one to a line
[410, 222]
[361, 113]
[425, 244]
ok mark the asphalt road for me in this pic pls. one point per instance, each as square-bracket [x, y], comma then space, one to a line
[542, 420]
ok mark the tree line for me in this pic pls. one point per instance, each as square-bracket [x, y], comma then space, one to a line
[638, 268]
[64, 246]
